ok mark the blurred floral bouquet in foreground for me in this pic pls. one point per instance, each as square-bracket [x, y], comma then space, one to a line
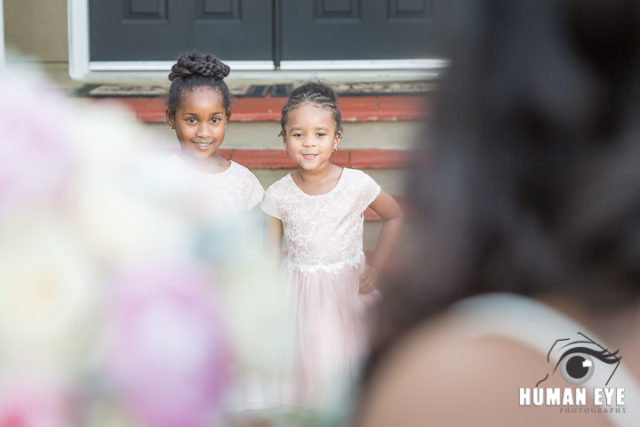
[120, 303]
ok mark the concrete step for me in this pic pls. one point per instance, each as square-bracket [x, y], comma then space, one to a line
[392, 134]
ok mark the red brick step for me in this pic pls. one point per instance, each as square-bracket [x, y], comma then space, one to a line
[249, 109]
[358, 158]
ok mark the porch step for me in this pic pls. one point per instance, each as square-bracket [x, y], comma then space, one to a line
[352, 158]
[249, 109]
[381, 134]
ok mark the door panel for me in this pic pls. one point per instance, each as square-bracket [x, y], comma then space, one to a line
[137, 30]
[357, 29]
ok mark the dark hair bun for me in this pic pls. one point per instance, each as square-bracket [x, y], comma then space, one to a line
[195, 63]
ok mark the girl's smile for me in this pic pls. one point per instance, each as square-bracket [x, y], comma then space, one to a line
[204, 146]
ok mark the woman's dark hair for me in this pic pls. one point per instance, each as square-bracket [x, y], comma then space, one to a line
[316, 94]
[532, 184]
[193, 70]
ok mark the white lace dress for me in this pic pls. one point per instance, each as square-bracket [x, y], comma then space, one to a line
[325, 259]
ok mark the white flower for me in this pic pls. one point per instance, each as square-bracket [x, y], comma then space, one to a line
[118, 220]
[48, 294]
[254, 301]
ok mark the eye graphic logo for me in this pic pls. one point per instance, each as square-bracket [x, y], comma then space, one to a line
[576, 360]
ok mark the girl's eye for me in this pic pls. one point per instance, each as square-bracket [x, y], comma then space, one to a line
[191, 120]
[215, 120]
[320, 134]
[297, 135]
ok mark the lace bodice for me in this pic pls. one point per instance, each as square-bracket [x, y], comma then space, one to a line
[324, 230]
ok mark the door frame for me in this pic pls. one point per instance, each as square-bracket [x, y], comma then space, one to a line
[83, 69]
[2, 49]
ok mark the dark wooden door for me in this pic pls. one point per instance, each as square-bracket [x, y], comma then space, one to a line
[357, 29]
[138, 30]
[262, 30]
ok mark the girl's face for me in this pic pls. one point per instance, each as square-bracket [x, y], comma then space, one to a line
[200, 122]
[310, 136]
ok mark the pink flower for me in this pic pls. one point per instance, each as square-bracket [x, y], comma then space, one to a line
[167, 353]
[28, 400]
[35, 149]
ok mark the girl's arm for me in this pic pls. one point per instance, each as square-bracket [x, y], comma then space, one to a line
[274, 235]
[389, 210]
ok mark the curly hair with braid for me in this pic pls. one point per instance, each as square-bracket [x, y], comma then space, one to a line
[194, 70]
[312, 93]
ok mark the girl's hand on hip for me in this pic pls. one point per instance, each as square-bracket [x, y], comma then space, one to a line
[368, 279]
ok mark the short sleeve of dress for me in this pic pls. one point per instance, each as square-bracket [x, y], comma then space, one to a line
[369, 190]
[269, 205]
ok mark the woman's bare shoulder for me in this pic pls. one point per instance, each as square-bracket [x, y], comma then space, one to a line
[441, 375]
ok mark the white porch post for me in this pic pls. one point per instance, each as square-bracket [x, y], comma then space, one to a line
[2, 55]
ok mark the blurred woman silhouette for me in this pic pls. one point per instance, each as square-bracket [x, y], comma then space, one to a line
[525, 267]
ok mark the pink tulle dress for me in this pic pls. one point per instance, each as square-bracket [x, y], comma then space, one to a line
[322, 268]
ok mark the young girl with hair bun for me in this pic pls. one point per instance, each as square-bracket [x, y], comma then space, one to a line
[198, 109]
[320, 206]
